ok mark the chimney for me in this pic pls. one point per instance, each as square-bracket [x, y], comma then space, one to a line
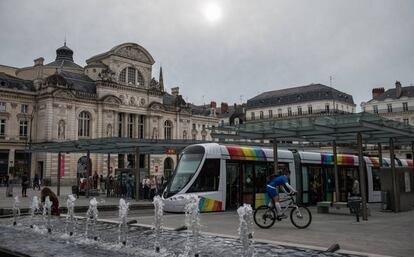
[377, 92]
[398, 89]
[39, 61]
[175, 91]
[224, 107]
[213, 105]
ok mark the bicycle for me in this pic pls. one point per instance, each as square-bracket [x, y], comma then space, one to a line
[300, 216]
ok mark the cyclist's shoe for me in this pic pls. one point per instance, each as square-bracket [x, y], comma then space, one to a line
[281, 216]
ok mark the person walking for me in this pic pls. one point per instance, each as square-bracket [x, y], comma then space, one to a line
[25, 185]
[36, 182]
[129, 187]
[153, 185]
[102, 183]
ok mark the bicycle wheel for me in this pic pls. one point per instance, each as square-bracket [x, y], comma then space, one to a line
[264, 216]
[301, 217]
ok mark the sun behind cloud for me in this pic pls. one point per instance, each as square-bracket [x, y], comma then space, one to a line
[212, 12]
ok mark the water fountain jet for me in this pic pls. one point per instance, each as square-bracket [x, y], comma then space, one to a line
[158, 220]
[91, 217]
[123, 226]
[192, 218]
[246, 229]
[16, 210]
[34, 209]
[70, 204]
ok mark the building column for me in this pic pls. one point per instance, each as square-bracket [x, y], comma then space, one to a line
[337, 194]
[125, 125]
[11, 158]
[362, 177]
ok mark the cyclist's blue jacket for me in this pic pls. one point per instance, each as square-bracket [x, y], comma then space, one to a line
[278, 181]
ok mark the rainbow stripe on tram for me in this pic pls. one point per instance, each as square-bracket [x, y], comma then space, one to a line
[246, 153]
[342, 159]
[206, 205]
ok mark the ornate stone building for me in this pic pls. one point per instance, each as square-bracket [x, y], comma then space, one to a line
[114, 95]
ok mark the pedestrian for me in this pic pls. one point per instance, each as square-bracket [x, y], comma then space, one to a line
[36, 182]
[153, 185]
[25, 185]
[147, 186]
[129, 186]
[102, 183]
[53, 198]
[355, 188]
[95, 180]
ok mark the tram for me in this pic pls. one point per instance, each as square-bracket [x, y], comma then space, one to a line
[224, 177]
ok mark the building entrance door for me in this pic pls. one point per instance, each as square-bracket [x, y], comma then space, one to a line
[233, 193]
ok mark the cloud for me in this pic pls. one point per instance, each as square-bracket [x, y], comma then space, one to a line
[256, 47]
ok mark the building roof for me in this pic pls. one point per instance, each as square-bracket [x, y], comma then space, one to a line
[79, 82]
[64, 58]
[391, 94]
[10, 82]
[293, 95]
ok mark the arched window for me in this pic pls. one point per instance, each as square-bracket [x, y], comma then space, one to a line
[131, 76]
[168, 129]
[84, 124]
[185, 134]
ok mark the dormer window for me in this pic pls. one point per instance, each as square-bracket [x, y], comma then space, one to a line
[131, 76]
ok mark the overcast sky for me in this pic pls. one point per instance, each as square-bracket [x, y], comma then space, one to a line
[239, 50]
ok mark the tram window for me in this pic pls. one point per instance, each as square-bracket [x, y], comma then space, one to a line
[208, 178]
[261, 170]
[376, 183]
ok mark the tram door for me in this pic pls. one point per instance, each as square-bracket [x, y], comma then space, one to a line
[316, 184]
[247, 179]
[233, 192]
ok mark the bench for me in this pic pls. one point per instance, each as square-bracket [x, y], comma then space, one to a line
[323, 207]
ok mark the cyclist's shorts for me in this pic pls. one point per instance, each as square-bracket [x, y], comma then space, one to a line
[271, 191]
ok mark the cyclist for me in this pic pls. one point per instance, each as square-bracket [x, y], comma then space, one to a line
[271, 188]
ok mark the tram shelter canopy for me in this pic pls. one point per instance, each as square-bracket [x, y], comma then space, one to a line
[114, 145]
[343, 128]
[351, 129]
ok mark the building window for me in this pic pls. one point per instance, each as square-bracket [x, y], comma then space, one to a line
[185, 135]
[141, 125]
[406, 121]
[203, 137]
[270, 113]
[389, 107]
[131, 125]
[405, 107]
[2, 128]
[375, 108]
[289, 111]
[23, 128]
[122, 76]
[194, 126]
[25, 108]
[168, 129]
[327, 108]
[131, 75]
[261, 115]
[252, 116]
[2, 106]
[84, 124]
[309, 109]
[299, 110]
[279, 113]
[120, 125]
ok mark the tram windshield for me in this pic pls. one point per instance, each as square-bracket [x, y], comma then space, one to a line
[186, 168]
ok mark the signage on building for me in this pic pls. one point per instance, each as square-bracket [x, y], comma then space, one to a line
[171, 151]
